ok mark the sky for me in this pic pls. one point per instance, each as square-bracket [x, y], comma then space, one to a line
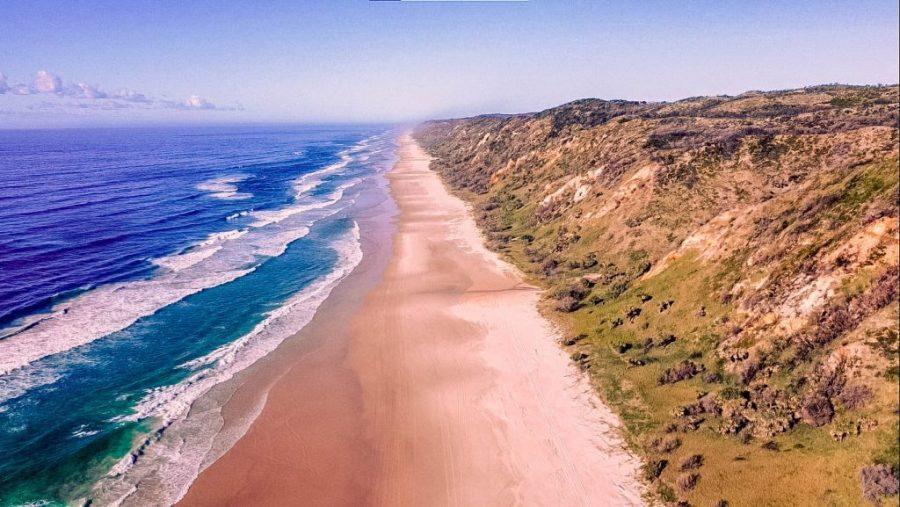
[85, 62]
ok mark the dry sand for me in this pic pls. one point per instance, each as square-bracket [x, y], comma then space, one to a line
[445, 386]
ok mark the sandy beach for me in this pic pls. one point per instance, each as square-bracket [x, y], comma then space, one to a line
[428, 378]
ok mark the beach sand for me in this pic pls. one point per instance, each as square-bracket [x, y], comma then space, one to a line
[427, 378]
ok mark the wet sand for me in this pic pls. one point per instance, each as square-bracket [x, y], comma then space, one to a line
[427, 378]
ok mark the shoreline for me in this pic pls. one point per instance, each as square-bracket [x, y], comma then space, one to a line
[428, 377]
[172, 457]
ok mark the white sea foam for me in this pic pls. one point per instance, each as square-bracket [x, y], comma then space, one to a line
[218, 237]
[302, 186]
[19, 383]
[175, 458]
[171, 401]
[235, 216]
[102, 311]
[309, 181]
[21, 324]
[220, 258]
[200, 251]
[83, 432]
[186, 259]
[267, 217]
[224, 187]
[275, 245]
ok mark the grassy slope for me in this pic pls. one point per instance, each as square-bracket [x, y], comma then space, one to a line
[799, 176]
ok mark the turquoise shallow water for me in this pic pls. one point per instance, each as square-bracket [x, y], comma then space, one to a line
[70, 417]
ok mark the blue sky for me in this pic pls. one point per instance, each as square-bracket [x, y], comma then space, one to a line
[356, 60]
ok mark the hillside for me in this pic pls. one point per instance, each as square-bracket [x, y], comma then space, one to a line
[727, 271]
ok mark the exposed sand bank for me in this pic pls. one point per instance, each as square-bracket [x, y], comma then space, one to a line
[443, 387]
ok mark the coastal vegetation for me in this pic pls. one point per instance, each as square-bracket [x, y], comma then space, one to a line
[725, 270]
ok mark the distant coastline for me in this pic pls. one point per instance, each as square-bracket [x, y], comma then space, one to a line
[444, 386]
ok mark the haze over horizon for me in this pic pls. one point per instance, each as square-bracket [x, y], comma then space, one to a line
[103, 62]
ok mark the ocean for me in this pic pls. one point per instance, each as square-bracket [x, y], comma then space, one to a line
[141, 267]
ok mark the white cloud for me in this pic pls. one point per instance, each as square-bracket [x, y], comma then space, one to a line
[86, 91]
[20, 89]
[104, 105]
[131, 96]
[195, 102]
[45, 82]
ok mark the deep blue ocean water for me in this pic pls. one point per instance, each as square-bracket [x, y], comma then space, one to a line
[139, 267]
